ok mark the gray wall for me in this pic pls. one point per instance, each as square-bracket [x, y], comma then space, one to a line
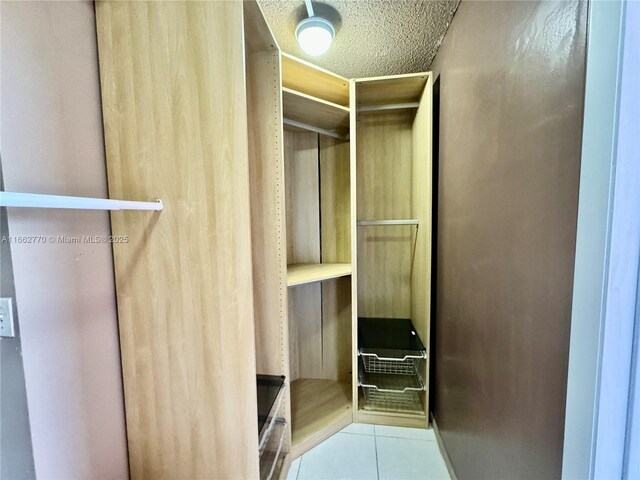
[512, 87]
[52, 142]
[16, 455]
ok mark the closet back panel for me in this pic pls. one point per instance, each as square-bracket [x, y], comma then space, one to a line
[305, 331]
[336, 329]
[335, 200]
[384, 182]
[174, 107]
[318, 230]
[303, 246]
[302, 197]
[336, 247]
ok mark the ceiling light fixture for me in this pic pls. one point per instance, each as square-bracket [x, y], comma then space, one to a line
[314, 34]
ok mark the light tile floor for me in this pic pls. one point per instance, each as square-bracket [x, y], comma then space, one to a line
[373, 452]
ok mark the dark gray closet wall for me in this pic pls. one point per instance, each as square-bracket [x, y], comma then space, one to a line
[511, 93]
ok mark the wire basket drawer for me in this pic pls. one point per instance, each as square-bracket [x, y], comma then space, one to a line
[397, 366]
[398, 402]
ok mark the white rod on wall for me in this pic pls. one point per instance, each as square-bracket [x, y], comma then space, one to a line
[311, 128]
[309, 6]
[373, 223]
[36, 200]
[389, 106]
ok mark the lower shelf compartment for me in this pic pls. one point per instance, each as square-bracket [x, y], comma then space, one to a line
[319, 408]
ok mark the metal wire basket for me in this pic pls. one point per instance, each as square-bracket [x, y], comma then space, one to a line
[399, 402]
[374, 364]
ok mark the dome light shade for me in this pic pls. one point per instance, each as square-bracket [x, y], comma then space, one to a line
[315, 35]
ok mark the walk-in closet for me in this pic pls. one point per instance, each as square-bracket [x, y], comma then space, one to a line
[318, 239]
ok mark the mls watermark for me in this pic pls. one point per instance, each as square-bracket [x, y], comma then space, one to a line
[64, 239]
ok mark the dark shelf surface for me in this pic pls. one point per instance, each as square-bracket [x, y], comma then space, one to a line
[388, 334]
[269, 386]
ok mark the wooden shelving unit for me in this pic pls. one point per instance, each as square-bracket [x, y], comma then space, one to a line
[320, 408]
[391, 118]
[318, 214]
[301, 273]
[336, 171]
[313, 111]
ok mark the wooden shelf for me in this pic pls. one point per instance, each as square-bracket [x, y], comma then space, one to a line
[319, 408]
[391, 89]
[307, 78]
[301, 273]
[313, 111]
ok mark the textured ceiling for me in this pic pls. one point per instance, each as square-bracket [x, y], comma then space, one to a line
[373, 37]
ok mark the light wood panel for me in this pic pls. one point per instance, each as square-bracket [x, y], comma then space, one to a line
[301, 273]
[314, 111]
[320, 409]
[336, 330]
[266, 180]
[305, 331]
[421, 207]
[267, 195]
[306, 78]
[335, 201]
[392, 419]
[390, 89]
[303, 246]
[353, 217]
[174, 107]
[302, 197]
[258, 34]
[385, 254]
[335, 204]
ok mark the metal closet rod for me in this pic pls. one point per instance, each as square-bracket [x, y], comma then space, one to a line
[371, 223]
[37, 200]
[311, 128]
[388, 106]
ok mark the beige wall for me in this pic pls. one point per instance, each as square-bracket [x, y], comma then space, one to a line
[511, 100]
[51, 140]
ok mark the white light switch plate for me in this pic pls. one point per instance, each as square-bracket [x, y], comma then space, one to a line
[6, 318]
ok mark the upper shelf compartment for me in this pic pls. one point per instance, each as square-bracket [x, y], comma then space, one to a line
[304, 109]
[312, 80]
[391, 90]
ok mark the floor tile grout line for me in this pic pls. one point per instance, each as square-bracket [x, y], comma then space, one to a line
[299, 467]
[375, 444]
[408, 438]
